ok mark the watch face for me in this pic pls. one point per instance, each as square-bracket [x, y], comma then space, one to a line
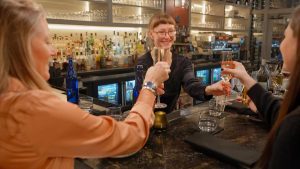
[150, 84]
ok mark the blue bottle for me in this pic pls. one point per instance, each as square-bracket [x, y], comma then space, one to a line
[72, 83]
[139, 78]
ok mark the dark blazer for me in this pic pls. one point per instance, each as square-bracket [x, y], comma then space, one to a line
[286, 146]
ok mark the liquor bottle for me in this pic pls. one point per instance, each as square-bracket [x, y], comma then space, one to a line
[139, 78]
[72, 84]
[263, 75]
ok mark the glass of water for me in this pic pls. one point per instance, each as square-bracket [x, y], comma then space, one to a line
[86, 103]
[212, 106]
[207, 122]
[115, 112]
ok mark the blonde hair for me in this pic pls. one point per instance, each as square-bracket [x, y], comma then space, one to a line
[19, 20]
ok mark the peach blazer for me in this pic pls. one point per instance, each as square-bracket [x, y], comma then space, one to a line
[38, 130]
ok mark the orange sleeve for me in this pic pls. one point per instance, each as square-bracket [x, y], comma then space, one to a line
[58, 128]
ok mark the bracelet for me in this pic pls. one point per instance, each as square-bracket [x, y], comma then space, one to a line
[150, 89]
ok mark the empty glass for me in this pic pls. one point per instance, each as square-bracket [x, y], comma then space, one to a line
[115, 112]
[86, 103]
[220, 103]
[212, 108]
[207, 123]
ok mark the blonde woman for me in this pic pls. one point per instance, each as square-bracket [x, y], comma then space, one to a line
[38, 130]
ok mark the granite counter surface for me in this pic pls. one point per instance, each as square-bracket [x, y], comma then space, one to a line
[167, 149]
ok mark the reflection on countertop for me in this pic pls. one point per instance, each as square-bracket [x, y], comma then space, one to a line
[168, 150]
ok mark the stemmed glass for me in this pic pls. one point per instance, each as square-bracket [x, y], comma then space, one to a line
[159, 56]
[227, 62]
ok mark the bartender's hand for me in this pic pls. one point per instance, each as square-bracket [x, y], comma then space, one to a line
[158, 73]
[160, 89]
[240, 72]
[219, 88]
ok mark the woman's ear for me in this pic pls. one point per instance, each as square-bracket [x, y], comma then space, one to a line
[150, 34]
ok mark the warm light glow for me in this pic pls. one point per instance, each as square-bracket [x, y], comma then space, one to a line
[203, 19]
[228, 8]
[86, 6]
[203, 8]
[199, 32]
[229, 23]
[90, 28]
[197, 5]
[139, 13]
[229, 33]
[182, 3]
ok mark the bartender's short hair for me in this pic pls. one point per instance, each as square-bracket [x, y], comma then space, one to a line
[161, 18]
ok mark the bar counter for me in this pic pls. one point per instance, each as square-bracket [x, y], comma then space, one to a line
[168, 150]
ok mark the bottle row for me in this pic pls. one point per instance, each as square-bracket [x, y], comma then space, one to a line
[90, 51]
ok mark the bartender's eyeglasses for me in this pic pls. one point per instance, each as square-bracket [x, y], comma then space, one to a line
[162, 33]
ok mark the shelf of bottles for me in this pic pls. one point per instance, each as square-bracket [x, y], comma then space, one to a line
[95, 39]
[80, 11]
[94, 50]
[277, 4]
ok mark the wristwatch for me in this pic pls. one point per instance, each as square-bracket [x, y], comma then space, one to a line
[150, 86]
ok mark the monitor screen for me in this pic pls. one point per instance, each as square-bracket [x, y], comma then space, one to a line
[204, 76]
[216, 74]
[108, 93]
[129, 85]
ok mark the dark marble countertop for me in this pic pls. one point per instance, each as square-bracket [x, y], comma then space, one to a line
[167, 150]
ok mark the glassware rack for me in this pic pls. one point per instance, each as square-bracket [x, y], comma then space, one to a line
[219, 15]
[277, 4]
[101, 12]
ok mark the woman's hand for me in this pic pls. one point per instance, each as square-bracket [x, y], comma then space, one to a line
[158, 73]
[240, 72]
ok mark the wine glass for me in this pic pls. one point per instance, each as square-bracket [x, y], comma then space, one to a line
[159, 56]
[227, 62]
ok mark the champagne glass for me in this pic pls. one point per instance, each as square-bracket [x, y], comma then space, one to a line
[227, 62]
[159, 56]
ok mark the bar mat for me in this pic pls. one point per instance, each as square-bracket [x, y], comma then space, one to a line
[240, 108]
[98, 112]
[223, 149]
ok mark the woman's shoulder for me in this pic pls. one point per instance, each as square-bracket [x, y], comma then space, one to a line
[32, 100]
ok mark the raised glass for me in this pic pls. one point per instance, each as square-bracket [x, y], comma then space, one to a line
[159, 56]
